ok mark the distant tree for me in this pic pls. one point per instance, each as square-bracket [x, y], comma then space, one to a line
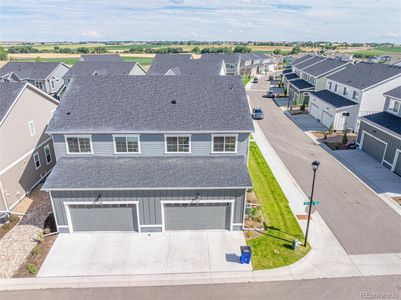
[136, 50]
[295, 50]
[196, 50]
[242, 49]
[3, 54]
[277, 51]
[83, 50]
[37, 59]
[99, 50]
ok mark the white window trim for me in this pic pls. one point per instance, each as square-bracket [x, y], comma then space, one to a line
[177, 135]
[78, 136]
[47, 146]
[127, 135]
[34, 161]
[224, 135]
[33, 131]
[41, 83]
[392, 111]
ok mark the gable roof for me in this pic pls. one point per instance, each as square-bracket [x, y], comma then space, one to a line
[364, 74]
[301, 59]
[301, 84]
[8, 93]
[101, 57]
[394, 93]
[144, 104]
[291, 76]
[100, 67]
[29, 70]
[333, 98]
[325, 66]
[309, 62]
[228, 58]
[385, 120]
[139, 172]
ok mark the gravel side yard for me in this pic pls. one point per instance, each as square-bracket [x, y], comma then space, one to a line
[16, 245]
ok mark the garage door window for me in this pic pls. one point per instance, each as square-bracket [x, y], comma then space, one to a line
[224, 143]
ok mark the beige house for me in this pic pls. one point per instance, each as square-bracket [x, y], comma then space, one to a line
[26, 152]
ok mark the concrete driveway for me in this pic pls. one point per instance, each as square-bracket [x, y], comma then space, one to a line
[308, 123]
[370, 171]
[106, 253]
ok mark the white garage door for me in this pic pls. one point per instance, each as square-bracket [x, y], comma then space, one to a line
[315, 112]
[327, 119]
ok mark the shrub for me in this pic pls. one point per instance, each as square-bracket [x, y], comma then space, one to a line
[250, 190]
[13, 218]
[303, 106]
[331, 128]
[35, 250]
[345, 137]
[249, 234]
[32, 269]
[41, 238]
[5, 226]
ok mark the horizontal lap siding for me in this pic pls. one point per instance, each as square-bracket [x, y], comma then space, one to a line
[393, 143]
[149, 201]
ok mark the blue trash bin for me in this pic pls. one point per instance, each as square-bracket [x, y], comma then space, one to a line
[246, 254]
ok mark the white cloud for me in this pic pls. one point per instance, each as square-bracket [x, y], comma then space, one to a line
[90, 34]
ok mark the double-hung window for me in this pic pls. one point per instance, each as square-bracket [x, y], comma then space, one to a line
[36, 160]
[48, 154]
[335, 87]
[355, 95]
[126, 144]
[39, 84]
[345, 92]
[394, 106]
[330, 84]
[178, 143]
[224, 143]
[79, 144]
[31, 127]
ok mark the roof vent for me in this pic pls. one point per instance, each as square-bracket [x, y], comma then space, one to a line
[173, 102]
[231, 86]
[68, 113]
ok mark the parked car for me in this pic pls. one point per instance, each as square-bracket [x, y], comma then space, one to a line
[270, 94]
[255, 80]
[257, 114]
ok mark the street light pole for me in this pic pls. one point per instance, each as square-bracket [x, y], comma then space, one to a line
[315, 166]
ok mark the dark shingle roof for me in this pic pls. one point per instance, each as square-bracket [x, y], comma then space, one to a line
[8, 93]
[394, 93]
[301, 59]
[333, 99]
[186, 66]
[100, 67]
[291, 76]
[301, 84]
[325, 66]
[144, 104]
[228, 58]
[385, 120]
[363, 75]
[29, 70]
[101, 57]
[286, 71]
[309, 62]
[139, 172]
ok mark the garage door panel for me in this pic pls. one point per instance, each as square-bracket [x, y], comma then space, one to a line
[373, 147]
[327, 119]
[315, 111]
[197, 216]
[103, 218]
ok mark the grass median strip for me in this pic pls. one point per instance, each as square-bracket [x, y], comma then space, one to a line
[273, 249]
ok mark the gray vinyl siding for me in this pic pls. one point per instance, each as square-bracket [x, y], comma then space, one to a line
[149, 201]
[393, 143]
[152, 144]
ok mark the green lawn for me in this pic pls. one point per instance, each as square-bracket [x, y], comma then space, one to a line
[378, 51]
[142, 60]
[273, 249]
[245, 80]
[72, 60]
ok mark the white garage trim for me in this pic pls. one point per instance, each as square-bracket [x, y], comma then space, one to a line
[385, 148]
[197, 202]
[68, 214]
[396, 156]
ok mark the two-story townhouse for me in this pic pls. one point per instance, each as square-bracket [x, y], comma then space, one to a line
[250, 63]
[101, 57]
[26, 151]
[183, 64]
[289, 69]
[150, 153]
[232, 61]
[46, 76]
[380, 133]
[104, 68]
[364, 84]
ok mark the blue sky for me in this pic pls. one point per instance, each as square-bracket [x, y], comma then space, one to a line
[241, 20]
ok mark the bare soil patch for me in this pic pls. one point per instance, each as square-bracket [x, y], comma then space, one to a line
[4, 228]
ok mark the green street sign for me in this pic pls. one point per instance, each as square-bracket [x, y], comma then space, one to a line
[313, 203]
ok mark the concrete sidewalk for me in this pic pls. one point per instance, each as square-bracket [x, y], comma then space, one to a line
[327, 259]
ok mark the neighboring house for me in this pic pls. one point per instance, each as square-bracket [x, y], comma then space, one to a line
[157, 153]
[363, 83]
[27, 154]
[101, 57]
[312, 77]
[380, 134]
[104, 68]
[253, 64]
[46, 76]
[182, 64]
[232, 61]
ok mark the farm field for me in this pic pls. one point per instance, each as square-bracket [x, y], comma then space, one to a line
[393, 51]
